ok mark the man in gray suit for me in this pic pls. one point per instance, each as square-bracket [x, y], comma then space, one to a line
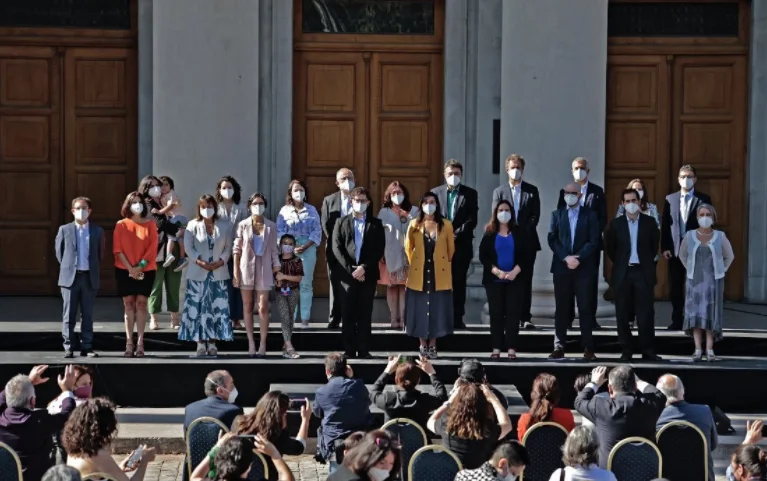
[79, 250]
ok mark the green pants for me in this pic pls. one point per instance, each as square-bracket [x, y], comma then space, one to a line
[172, 282]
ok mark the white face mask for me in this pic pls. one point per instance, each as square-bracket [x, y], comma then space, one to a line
[571, 199]
[705, 222]
[397, 199]
[257, 209]
[429, 209]
[503, 216]
[360, 207]
[378, 474]
[685, 183]
[631, 208]
[346, 185]
[227, 193]
[287, 249]
[641, 194]
[508, 477]
[453, 180]
[81, 214]
[232, 395]
[137, 208]
[206, 212]
[515, 174]
[155, 192]
[580, 174]
[298, 195]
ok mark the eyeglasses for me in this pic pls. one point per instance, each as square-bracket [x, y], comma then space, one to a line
[571, 193]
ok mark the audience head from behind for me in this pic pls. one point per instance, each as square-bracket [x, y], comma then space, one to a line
[581, 381]
[375, 458]
[220, 383]
[233, 459]
[20, 393]
[336, 365]
[353, 440]
[407, 376]
[671, 386]
[269, 417]
[748, 462]
[581, 448]
[61, 472]
[471, 371]
[544, 397]
[91, 428]
[509, 460]
[621, 381]
[471, 414]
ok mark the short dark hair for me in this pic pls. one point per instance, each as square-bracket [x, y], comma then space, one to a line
[581, 381]
[453, 163]
[513, 451]
[688, 167]
[287, 237]
[204, 200]
[629, 191]
[167, 180]
[407, 376]
[623, 380]
[79, 199]
[90, 428]
[357, 191]
[335, 364]
[517, 158]
[235, 186]
[215, 380]
[258, 195]
[125, 209]
[233, 458]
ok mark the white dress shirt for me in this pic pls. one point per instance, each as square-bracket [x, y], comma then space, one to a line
[584, 188]
[346, 204]
[516, 195]
[83, 246]
[572, 213]
[684, 210]
[634, 235]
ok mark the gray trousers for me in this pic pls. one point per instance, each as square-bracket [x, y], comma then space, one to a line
[80, 296]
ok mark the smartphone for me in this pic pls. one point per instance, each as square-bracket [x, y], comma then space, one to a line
[295, 404]
[764, 431]
[404, 359]
[135, 458]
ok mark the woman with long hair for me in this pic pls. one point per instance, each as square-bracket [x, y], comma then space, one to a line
[231, 459]
[429, 247]
[83, 390]
[228, 195]
[581, 458]
[748, 463]
[375, 458]
[646, 207]
[396, 214]
[544, 406]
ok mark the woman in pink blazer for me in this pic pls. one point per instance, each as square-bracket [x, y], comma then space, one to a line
[256, 261]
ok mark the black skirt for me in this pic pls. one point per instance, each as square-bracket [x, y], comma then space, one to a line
[128, 286]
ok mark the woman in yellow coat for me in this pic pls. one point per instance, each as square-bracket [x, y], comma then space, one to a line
[429, 246]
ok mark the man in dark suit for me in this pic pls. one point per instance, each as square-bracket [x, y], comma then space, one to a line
[79, 250]
[593, 197]
[574, 240]
[679, 217]
[677, 409]
[220, 394]
[632, 243]
[631, 410]
[358, 246]
[30, 431]
[460, 205]
[526, 203]
[335, 206]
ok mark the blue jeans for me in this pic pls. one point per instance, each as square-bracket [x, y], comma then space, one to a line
[309, 260]
[332, 467]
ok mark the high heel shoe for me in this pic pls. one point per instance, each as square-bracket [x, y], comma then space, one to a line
[140, 349]
[128, 349]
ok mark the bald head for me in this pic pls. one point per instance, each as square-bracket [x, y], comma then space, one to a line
[572, 194]
[671, 386]
[345, 180]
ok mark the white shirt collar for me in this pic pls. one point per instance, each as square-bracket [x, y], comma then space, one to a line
[584, 188]
[83, 226]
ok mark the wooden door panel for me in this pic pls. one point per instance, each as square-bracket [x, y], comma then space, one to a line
[709, 132]
[100, 136]
[30, 162]
[638, 116]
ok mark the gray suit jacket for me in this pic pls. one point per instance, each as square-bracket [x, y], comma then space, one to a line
[699, 415]
[66, 253]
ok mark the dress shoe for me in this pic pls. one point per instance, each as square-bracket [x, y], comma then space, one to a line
[364, 355]
[68, 354]
[651, 357]
[334, 324]
[557, 354]
[596, 327]
[458, 324]
[626, 357]
[350, 355]
[88, 353]
[528, 325]
[674, 327]
[589, 355]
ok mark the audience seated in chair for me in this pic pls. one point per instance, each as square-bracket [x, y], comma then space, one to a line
[472, 371]
[748, 463]
[232, 457]
[507, 463]
[375, 458]
[87, 439]
[544, 406]
[220, 394]
[83, 390]
[581, 458]
[62, 472]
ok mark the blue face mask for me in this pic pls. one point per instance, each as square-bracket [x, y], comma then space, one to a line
[730, 474]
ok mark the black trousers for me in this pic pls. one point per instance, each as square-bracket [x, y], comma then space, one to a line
[526, 278]
[595, 280]
[336, 294]
[677, 276]
[504, 301]
[567, 285]
[634, 297]
[357, 316]
[459, 268]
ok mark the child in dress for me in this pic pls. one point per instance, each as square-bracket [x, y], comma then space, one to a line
[287, 286]
[171, 207]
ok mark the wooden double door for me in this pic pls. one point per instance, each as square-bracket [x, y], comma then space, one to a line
[376, 112]
[665, 111]
[67, 129]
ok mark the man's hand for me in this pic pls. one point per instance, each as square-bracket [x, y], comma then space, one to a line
[36, 374]
[306, 410]
[67, 380]
[572, 262]
[426, 366]
[359, 273]
[753, 432]
[667, 255]
[392, 365]
[599, 375]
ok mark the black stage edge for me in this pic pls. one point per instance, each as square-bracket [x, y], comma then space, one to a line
[168, 380]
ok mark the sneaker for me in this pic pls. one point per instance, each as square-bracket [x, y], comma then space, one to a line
[68, 354]
[697, 356]
[304, 324]
[424, 352]
[201, 350]
[710, 356]
[169, 260]
[88, 353]
[182, 264]
[433, 352]
[212, 350]
[528, 325]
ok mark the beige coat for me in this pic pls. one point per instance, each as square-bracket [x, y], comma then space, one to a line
[243, 246]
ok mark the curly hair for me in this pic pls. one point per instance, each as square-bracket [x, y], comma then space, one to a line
[235, 186]
[544, 397]
[90, 428]
[471, 414]
[233, 459]
[266, 419]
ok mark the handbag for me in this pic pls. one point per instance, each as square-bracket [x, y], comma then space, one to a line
[722, 422]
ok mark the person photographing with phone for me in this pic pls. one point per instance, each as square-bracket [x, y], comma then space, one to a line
[232, 457]
[407, 401]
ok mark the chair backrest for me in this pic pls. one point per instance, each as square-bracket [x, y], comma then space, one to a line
[685, 449]
[259, 469]
[544, 441]
[635, 459]
[410, 435]
[10, 464]
[201, 435]
[98, 477]
[433, 463]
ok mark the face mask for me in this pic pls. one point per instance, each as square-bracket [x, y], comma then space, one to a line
[429, 209]
[508, 477]
[503, 216]
[632, 208]
[378, 474]
[685, 183]
[360, 207]
[515, 174]
[232, 395]
[397, 199]
[83, 392]
[641, 194]
[346, 185]
[571, 199]
[206, 213]
[580, 174]
[227, 193]
[705, 222]
[81, 214]
[287, 249]
[297, 195]
[453, 180]
[257, 209]
[155, 192]
[137, 208]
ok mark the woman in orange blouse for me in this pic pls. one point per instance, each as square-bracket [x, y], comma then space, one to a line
[544, 398]
[135, 249]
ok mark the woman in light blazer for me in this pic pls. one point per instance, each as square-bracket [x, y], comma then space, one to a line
[228, 193]
[256, 261]
[205, 318]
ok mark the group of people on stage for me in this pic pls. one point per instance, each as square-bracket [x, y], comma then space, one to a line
[421, 251]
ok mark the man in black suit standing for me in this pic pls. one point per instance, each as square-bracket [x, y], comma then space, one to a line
[460, 205]
[593, 197]
[679, 217]
[631, 243]
[335, 206]
[358, 246]
[574, 240]
[526, 202]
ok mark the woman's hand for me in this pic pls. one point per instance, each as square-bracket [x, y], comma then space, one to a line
[510, 276]
[306, 411]
[223, 437]
[392, 365]
[426, 366]
[236, 278]
[148, 455]
[489, 394]
[263, 446]
[753, 432]
[280, 276]
[299, 250]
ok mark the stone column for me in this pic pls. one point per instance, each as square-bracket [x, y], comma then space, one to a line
[553, 97]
